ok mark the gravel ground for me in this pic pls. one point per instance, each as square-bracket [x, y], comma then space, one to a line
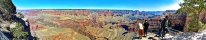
[179, 36]
[187, 36]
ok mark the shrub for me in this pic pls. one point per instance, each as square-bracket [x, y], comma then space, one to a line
[18, 32]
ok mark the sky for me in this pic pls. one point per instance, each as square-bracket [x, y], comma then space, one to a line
[142, 5]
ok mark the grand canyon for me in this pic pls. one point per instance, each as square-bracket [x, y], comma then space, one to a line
[86, 24]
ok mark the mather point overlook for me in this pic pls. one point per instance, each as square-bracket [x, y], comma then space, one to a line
[102, 19]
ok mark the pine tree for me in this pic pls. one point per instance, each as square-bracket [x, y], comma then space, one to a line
[193, 9]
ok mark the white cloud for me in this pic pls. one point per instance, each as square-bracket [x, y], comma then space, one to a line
[174, 6]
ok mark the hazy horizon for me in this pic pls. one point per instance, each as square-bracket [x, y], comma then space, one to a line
[142, 5]
[88, 9]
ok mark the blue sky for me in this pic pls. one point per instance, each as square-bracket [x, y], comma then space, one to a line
[142, 5]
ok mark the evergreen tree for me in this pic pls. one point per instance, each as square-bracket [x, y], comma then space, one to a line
[193, 9]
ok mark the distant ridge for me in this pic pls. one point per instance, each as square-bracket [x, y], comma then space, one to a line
[71, 9]
[92, 9]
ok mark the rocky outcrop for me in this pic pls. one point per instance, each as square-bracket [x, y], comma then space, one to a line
[178, 21]
[8, 18]
[7, 10]
[7, 15]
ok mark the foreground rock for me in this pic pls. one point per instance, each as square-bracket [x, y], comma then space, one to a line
[8, 20]
[7, 10]
[7, 16]
[188, 36]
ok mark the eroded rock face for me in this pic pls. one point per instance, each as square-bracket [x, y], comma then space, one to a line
[7, 10]
[7, 13]
[7, 16]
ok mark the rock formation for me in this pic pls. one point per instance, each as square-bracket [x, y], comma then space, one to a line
[7, 15]
[7, 10]
[8, 20]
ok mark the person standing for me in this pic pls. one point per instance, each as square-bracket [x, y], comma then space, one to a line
[141, 30]
[165, 24]
[146, 25]
[159, 30]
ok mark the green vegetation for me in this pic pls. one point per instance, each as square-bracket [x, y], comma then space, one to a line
[18, 32]
[193, 8]
[20, 15]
